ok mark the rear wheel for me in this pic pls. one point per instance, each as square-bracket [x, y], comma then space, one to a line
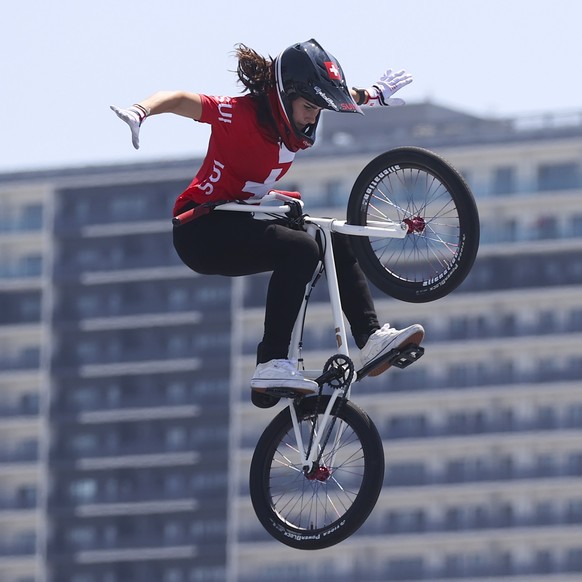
[315, 509]
[416, 187]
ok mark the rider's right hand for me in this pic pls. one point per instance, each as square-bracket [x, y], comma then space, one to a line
[134, 117]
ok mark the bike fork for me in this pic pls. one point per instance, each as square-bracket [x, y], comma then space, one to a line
[309, 456]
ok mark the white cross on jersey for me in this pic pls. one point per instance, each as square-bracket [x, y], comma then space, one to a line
[260, 189]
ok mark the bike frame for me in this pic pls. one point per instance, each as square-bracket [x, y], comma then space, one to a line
[387, 229]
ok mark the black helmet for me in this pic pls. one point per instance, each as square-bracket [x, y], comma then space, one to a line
[307, 70]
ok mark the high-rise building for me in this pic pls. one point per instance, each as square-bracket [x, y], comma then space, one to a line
[126, 429]
[115, 383]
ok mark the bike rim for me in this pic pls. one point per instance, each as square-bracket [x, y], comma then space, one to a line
[316, 500]
[425, 204]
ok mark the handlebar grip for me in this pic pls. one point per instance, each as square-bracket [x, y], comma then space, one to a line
[193, 213]
[287, 193]
[184, 217]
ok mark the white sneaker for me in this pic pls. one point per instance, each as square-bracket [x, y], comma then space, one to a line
[387, 338]
[281, 374]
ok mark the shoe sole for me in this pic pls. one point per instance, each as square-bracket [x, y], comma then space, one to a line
[284, 392]
[262, 400]
[414, 339]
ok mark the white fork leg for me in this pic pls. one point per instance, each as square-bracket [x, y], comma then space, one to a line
[342, 347]
[307, 461]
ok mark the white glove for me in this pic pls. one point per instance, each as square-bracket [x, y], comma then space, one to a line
[134, 116]
[380, 93]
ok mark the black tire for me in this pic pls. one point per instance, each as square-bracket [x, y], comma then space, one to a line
[317, 511]
[418, 187]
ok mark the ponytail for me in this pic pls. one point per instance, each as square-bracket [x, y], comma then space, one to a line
[254, 71]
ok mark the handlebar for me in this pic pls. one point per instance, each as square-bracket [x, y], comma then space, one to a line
[384, 229]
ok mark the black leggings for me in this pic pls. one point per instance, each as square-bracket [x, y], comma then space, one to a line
[235, 244]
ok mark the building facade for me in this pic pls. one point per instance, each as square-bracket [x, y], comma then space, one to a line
[125, 421]
[115, 374]
[482, 436]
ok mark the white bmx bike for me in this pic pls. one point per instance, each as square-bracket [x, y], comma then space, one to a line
[318, 468]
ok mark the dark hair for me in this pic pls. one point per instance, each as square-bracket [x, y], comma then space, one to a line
[254, 71]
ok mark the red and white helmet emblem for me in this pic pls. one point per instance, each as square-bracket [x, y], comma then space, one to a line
[333, 71]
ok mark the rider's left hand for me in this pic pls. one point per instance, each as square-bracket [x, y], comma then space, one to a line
[380, 93]
[134, 116]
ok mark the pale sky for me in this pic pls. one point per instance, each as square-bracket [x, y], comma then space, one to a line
[63, 62]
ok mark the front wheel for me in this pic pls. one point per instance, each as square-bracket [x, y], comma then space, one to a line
[418, 188]
[320, 508]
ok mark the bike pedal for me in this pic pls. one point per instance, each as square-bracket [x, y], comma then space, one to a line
[398, 357]
[408, 355]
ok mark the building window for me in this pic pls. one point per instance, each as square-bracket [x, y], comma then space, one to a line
[178, 299]
[407, 426]
[544, 561]
[545, 512]
[174, 483]
[178, 346]
[31, 218]
[110, 539]
[174, 575]
[546, 465]
[574, 559]
[407, 474]
[31, 266]
[87, 305]
[546, 228]
[459, 375]
[173, 532]
[82, 537]
[574, 415]
[574, 465]
[177, 393]
[83, 398]
[412, 520]
[213, 574]
[87, 351]
[26, 496]
[176, 438]
[82, 211]
[576, 224]
[574, 511]
[406, 569]
[336, 193]
[84, 443]
[558, 176]
[503, 180]
[30, 308]
[124, 207]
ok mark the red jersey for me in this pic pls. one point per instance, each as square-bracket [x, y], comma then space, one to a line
[243, 161]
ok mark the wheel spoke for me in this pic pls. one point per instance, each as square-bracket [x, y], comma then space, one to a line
[420, 255]
[309, 504]
[415, 187]
[319, 506]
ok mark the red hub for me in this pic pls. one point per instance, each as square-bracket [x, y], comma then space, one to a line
[319, 474]
[415, 225]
